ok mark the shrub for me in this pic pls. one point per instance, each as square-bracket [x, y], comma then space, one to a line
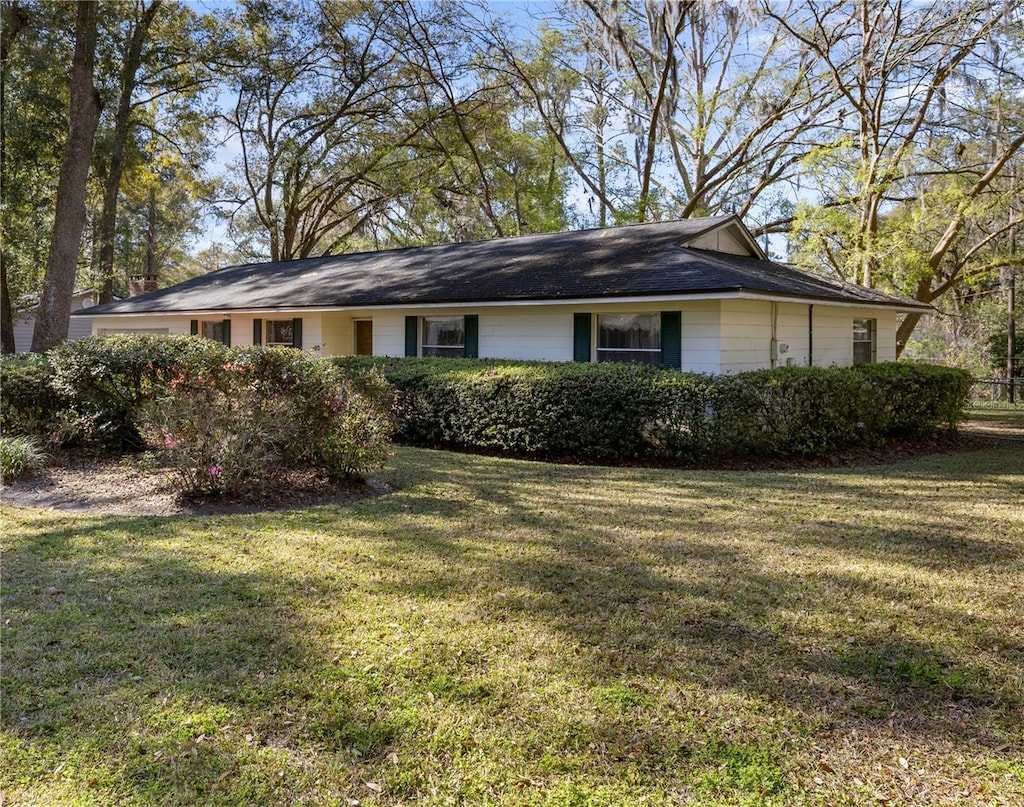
[108, 378]
[30, 404]
[626, 412]
[916, 400]
[800, 411]
[19, 456]
[232, 422]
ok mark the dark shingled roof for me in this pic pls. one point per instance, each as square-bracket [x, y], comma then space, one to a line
[636, 260]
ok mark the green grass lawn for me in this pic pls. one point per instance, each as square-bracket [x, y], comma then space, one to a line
[514, 633]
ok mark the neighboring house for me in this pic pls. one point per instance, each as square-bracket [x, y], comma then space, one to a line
[696, 294]
[78, 327]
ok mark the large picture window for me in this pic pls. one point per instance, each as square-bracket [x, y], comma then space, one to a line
[864, 341]
[279, 332]
[633, 338]
[217, 330]
[444, 336]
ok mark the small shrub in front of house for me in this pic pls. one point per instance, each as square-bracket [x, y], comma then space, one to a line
[235, 421]
[610, 412]
[19, 456]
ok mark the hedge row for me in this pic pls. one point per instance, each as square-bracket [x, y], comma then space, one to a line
[603, 412]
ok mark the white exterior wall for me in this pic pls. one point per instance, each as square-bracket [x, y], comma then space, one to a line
[887, 323]
[337, 336]
[534, 334]
[791, 334]
[545, 333]
[718, 336]
[746, 335]
[833, 334]
[721, 239]
[103, 326]
[702, 336]
[389, 333]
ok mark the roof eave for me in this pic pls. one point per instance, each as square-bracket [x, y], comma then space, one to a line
[902, 306]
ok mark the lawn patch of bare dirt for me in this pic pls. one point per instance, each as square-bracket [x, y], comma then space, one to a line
[111, 485]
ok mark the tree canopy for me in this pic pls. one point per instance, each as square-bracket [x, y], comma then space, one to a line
[879, 143]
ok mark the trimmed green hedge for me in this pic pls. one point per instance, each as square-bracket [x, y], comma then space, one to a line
[602, 412]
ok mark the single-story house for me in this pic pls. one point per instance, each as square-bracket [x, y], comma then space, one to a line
[697, 294]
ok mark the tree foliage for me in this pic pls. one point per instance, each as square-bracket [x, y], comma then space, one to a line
[882, 142]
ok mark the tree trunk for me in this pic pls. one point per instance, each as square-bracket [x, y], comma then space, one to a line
[122, 127]
[151, 236]
[12, 23]
[69, 218]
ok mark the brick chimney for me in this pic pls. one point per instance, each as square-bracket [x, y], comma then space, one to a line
[141, 284]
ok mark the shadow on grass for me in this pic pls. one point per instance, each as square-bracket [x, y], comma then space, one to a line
[138, 672]
[798, 599]
[777, 585]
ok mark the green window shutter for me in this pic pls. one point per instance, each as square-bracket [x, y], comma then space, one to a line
[297, 332]
[412, 325]
[472, 331]
[227, 332]
[581, 337]
[193, 327]
[257, 332]
[672, 339]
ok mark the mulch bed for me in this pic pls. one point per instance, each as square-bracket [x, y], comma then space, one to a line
[118, 486]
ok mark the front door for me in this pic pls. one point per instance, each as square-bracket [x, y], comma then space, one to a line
[364, 337]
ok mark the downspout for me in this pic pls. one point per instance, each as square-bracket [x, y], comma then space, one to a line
[774, 351]
[810, 335]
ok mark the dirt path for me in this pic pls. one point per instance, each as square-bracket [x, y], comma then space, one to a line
[1000, 424]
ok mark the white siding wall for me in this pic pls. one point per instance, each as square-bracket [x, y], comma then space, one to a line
[535, 334]
[389, 333]
[336, 334]
[792, 335]
[718, 336]
[102, 326]
[702, 336]
[888, 324]
[833, 334]
[721, 240]
[746, 335]
[241, 330]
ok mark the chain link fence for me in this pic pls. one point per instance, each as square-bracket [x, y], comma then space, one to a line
[998, 392]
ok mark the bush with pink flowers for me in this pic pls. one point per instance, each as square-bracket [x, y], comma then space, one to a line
[234, 422]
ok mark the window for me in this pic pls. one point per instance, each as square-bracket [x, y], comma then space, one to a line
[444, 336]
[217, 330]
[863, 341]
[279, 332]
[634, 338]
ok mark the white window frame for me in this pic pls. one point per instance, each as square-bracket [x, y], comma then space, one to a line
[442, 350]
[652, 355]
[868, 327]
